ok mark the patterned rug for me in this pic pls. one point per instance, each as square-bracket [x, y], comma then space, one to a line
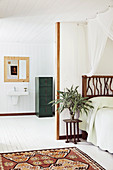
[54, 159]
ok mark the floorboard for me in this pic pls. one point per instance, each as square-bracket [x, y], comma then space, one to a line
[22, 133]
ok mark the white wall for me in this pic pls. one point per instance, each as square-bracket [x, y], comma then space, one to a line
[41, 63]
[74, 60]
[73, 54]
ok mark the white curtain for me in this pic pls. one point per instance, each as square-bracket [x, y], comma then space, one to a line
[99, 29]
[106, 22]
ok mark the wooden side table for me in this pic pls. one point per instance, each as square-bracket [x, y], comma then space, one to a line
[75, 121]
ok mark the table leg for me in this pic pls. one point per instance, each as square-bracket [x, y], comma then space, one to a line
[67, 132]
[74, 133]
[70, 130]
[78, 132]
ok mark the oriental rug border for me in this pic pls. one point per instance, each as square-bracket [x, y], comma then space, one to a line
[70, 158]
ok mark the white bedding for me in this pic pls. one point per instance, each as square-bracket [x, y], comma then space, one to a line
[99, 123]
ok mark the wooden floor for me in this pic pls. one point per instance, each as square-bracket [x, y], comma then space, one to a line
[22, 133]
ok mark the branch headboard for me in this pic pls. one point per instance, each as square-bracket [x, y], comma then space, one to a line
[97, 86]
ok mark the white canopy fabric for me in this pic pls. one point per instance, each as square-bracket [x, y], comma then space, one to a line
[32, 21]
[106, 22]
[96, 44]
[99, 29]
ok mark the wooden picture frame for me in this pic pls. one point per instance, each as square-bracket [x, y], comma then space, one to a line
[13, 69]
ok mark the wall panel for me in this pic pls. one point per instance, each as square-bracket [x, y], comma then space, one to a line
[41, 62]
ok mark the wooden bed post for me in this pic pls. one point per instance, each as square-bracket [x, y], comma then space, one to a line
[84, 85]
[84, 94]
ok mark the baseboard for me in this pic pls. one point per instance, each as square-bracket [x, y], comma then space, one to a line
[69, 136]
[16, 114]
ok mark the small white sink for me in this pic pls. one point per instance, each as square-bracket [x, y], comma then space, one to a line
[18, 93]
[15, 95]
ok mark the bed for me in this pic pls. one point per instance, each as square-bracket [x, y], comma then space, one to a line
[98, 123]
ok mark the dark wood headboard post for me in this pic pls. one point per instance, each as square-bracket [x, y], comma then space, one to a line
[84, 94]
[84, 85]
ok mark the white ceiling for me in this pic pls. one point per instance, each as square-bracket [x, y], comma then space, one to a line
[32, 21]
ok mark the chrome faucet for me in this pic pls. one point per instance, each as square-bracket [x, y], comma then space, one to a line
[14, 88]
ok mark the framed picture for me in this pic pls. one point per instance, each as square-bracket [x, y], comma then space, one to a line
[13, 70]
[16, 69]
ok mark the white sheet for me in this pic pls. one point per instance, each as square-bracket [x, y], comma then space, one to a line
[104, 129]
[99, 123]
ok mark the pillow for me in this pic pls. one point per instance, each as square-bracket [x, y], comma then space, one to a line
[102, 101]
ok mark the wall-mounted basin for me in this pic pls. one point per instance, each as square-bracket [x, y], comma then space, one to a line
[15, 95]
[18, 93]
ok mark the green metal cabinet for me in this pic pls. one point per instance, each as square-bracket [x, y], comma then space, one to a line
[43, 95]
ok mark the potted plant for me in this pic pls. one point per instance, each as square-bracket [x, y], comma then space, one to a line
[71, 99]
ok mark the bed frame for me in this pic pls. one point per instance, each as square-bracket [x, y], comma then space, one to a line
[96, 85]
